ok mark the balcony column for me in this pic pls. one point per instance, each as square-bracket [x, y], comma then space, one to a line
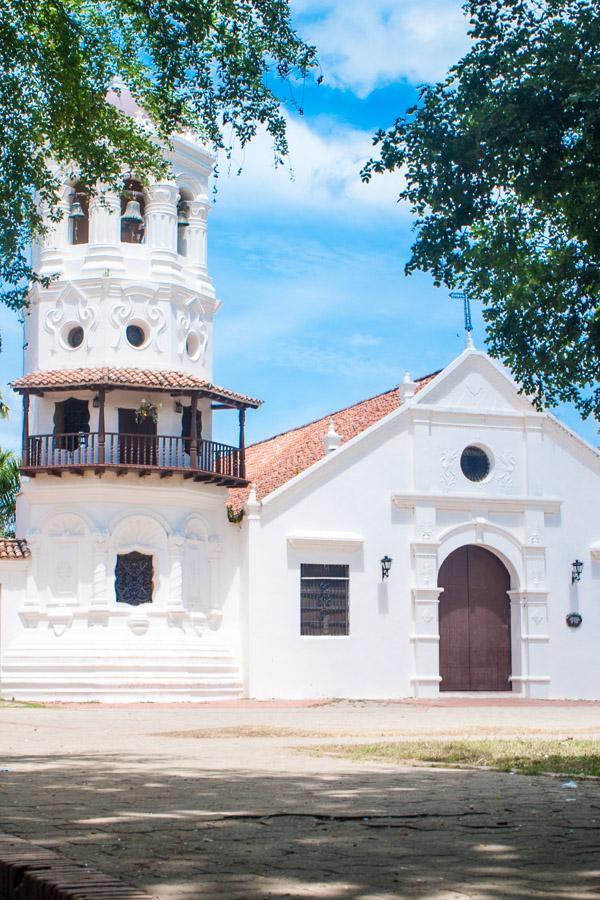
[194, 431]
[25, 453]
[101, 427]
[242, 415]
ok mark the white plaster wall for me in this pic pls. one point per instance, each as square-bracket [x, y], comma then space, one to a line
[178, 324]
[375, 659]
[537, 511]
[63, 634]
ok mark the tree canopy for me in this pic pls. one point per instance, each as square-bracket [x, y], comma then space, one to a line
[502, 169]
[206, 66]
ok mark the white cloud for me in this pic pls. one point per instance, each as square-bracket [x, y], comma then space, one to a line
[322, 172]
[365, 45]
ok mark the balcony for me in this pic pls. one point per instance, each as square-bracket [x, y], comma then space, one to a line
[206, 461]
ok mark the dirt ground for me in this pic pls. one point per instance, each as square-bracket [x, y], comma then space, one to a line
[224, 801]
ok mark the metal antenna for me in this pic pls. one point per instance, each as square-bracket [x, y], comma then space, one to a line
[460, 295]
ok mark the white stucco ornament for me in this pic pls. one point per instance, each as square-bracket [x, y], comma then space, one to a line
[332, 439]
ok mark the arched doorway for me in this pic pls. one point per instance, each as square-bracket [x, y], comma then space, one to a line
[474, 622]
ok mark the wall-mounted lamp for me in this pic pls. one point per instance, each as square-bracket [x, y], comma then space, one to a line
[576, 570]
[574, 620]
[386, 565]
[96, 402]
[178, 406]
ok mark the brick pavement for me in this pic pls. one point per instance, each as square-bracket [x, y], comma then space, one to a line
[226, 815]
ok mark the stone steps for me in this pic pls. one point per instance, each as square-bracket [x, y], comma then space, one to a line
[160, 676]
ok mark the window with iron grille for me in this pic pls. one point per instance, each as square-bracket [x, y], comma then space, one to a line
[134, 578]
[324, 599]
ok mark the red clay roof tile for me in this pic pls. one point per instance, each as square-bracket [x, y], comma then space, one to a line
[10, 548]
[272, 463]
[127, 378]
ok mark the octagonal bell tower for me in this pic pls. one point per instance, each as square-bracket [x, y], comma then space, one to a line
[125, 487]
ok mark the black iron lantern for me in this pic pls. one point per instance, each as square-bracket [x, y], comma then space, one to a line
[386, 565]
[178, 406]
[576, 570]
[574, 620]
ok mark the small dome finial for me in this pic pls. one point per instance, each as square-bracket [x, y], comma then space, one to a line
[332, 439]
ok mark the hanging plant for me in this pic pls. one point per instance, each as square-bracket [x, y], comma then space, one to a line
[146, 410]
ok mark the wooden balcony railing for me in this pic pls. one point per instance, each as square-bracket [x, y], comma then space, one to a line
[146, 453]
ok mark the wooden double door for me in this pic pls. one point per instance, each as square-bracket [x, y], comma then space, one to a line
[475, 652]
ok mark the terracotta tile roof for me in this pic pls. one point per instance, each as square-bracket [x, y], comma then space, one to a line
[10, 548]
[273, 462]
[127, 378]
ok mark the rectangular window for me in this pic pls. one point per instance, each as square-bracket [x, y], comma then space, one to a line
[324, 599]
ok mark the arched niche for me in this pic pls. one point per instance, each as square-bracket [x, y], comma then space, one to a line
[184, 200]
[64, 559]
[79, 214]
[133, 204]
[145, 535]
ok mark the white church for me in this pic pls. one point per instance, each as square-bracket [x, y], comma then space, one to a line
[443, 536]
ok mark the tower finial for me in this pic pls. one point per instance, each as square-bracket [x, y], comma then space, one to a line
[461, 295]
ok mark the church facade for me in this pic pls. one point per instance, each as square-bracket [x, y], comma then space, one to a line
[442, 536]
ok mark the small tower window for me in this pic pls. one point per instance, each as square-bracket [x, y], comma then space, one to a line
[136, 336]
[133, 207]
[79, 216]
[75, 335]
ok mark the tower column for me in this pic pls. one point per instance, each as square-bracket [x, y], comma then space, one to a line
[196, 237]
[104, 256]
[161, 228]
[52, 252]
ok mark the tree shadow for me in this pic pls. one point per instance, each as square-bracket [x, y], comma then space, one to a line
[177, 831]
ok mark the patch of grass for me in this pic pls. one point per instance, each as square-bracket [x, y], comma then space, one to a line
[20, 704]
[525, 756]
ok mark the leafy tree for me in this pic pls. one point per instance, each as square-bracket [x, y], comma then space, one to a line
[200, 65]
[502, 167]
[10, 483]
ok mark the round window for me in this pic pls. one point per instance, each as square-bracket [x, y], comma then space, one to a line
[136, 335]
[75, 336]
[475, 463]
[192, 344]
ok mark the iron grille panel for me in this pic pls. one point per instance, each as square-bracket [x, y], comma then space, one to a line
[134, 578]
[324, 599]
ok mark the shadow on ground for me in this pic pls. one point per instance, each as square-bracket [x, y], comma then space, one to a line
[177, 831]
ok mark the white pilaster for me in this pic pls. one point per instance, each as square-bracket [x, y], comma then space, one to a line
[161, 228]
[425, 636]
[104, 256]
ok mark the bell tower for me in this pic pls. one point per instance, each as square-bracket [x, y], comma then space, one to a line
[124, 491]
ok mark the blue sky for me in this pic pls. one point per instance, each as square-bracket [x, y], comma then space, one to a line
[308, 261]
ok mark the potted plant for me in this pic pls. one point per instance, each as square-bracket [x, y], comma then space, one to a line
[146, 410]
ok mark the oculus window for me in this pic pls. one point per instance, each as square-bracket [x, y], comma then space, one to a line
[324, 599]
[475, 463]
[134, 578]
